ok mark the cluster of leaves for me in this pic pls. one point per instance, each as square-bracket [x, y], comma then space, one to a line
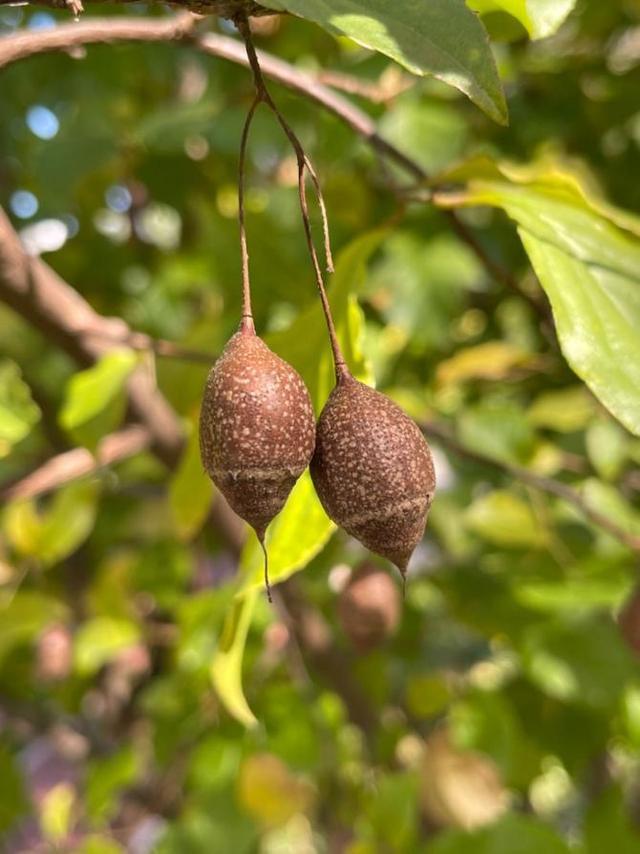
[505, 713]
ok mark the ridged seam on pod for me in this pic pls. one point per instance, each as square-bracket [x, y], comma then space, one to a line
[257, 429]
[373, 470]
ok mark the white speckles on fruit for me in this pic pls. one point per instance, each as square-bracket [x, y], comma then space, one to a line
[257, 429]
[373, 470]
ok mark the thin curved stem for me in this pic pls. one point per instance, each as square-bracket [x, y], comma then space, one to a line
[338, 359]
[304, 165]
[246, 323]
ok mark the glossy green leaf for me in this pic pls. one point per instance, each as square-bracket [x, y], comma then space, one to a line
[89, 392]
[540, 18]
[99, 640]
[226, 667]
[18, 412]
[588, 267]
[190, 489]
[442, 38]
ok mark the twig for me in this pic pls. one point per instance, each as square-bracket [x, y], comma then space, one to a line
[247, 313]
[77, 463]
[544, 484]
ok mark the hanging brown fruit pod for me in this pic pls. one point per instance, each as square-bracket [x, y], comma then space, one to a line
[373, 470]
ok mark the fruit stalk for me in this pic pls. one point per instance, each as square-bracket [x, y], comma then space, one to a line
[304, 166]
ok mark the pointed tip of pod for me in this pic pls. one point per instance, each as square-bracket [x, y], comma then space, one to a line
[260, 534]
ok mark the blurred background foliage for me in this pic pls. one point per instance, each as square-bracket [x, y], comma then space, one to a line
[501, 701]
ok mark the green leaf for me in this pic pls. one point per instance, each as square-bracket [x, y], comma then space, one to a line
[541, 18]
[90, 392]
[505, 520]
[573, 596]
[513, 834]
[603, 348]
[498, 429]
[190, 489]
[26, 616]
[588, 267]
[52, 534]
[105, 780]
[607, 445]
[584, 661]
[564, 411]
[608, 826]
[295, 536]
[99, 640]
[441, 38]
[18, 412]
[13, 798]
[226, 667]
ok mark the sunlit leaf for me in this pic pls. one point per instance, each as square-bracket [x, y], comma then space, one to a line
[565, 411]
[55, 531]
[226, 667]
[89, 392]
[504, 519]
[588, 267]
[55, 812]
[442, 38]
[492, 360]
[540, 18]
[18, 412]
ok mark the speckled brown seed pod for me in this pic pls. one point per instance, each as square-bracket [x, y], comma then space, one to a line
[373, 470]
[257, 429]
[369, 607]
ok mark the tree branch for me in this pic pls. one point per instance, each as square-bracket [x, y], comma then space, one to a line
[78, 462]
[543, 484]
[106, 30]
[222, 8]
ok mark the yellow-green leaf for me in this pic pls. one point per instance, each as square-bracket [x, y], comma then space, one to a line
[89, 392]
[54, 532]
[226, 667]
[99, 640]
[505, 520]
[442, 38]
[18, 412]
